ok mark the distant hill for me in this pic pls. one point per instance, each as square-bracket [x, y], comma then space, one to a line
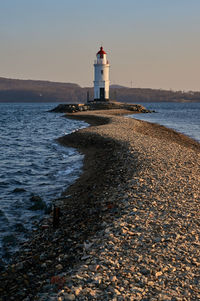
[117, 87]
[15, 90]
[139, 95]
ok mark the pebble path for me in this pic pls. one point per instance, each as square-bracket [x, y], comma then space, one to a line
[147, 246]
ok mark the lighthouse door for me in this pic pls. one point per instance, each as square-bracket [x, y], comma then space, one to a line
[102, 93]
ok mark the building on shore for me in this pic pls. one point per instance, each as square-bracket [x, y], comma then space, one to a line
[101, 76]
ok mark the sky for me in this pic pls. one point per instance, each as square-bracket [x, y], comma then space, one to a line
[149, 43]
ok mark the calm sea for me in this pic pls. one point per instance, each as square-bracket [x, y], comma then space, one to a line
[32, 163]
[182, 117]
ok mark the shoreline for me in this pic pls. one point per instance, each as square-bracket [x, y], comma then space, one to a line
[115, 166]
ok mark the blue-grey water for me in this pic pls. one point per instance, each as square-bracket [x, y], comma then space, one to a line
[182, 117]
[32, 162]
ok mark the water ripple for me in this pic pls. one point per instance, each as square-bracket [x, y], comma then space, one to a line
[32, 161]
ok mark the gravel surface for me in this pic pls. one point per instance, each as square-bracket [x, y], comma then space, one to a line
[136, 211]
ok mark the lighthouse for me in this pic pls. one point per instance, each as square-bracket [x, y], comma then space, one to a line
[101, 76]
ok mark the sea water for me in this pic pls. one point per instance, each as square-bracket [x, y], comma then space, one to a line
[182, 117]
[32, 163]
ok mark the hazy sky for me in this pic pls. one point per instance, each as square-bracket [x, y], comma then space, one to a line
[151, 43]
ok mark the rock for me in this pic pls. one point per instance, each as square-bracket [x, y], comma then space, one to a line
[158, 274]
[87, 246]
[107, 230]
[20, 228]
[164, 297]
[113, 279]
[59, 267]
[19, 266]
[73, 108]
[77, 290]
[117, 292]
[69, 297]
[44, 265]
[19, 190]
[144, 271]
[36, 198]
[38, 203]
[43, 256]
[47, 209]
[98, 279]
[85, 257]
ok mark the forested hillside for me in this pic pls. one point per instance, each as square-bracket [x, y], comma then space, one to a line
[15, 90]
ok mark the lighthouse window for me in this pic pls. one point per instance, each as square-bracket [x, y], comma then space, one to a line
[101, 71]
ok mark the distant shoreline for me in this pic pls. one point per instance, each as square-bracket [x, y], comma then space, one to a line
[17, 90]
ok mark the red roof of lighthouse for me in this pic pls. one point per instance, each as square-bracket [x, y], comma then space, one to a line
[101, 52]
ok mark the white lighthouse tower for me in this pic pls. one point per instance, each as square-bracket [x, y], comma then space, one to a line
[101, 77]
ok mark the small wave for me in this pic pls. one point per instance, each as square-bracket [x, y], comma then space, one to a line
[15, 182]
[4, 184]
[36, 163]
[3, 217]
[73, 158]
[44, 184]
[1, 213]
[18, 204]
[65, 172]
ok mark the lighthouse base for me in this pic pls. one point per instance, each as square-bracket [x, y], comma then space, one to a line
[101, 99]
